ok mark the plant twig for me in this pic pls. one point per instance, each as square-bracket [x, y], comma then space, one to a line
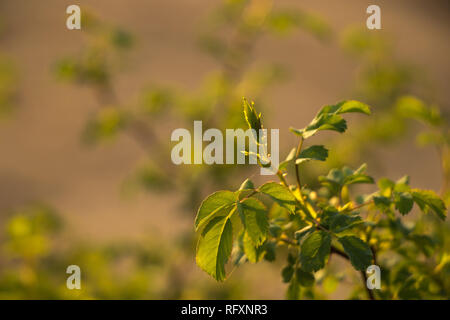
[297, 169]
[362, 205]
[288, 241]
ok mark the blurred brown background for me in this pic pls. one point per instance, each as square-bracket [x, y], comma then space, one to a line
[41, 156]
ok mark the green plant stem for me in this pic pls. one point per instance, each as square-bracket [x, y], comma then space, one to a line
[288, 241]
[297, 166]
[301, 204]
[282, 179]
[361, 205]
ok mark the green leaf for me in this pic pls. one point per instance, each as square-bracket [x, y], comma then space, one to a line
[314, 251]
[337, 178]
[253, 252]
[329, 118]
[325, 121]
[251, 117]
[247, 185]
[298, 132]
[279, 194]
[239, 253]
[254, 218]
[214, 247]
[212, 205]
[341, 222]
[357, 176]
[382, 203]
[312, 153]
[269, 250]
[411, 107]
[402, 184]
[348, 106]
[429, 200]
[246, 189]
[292, 260]
[289, 158]
[334, 178]
[384, 184]
[403, 202]
[287, 273]
[358, 251]
[306, 279]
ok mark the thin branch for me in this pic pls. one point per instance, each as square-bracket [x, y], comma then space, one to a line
[363, 274]
[297, 169]
[362, 205]
[289, 241]
[282, 179]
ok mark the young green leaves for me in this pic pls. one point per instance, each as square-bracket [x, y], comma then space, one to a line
[428, 200]
[312, 222]
[214, 247]
[315, 152]
[338, 222]
[252, 118]
[315, 250]
[254, 217]
[312, 153]
[216, 203]
[329, 118]
[358, 251]
[403, 202]
[216, 239]
[338, 178]
[279, 194]
[402, 197]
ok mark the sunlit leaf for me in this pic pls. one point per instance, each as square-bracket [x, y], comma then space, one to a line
[280, 194]
[358, 251]
[314, 251]
[214, 247]
[212, 205]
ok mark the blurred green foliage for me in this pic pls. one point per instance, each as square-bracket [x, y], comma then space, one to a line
[400, 97]
[35, 256]
[34, 252]
[229, 35]
[397, 91]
